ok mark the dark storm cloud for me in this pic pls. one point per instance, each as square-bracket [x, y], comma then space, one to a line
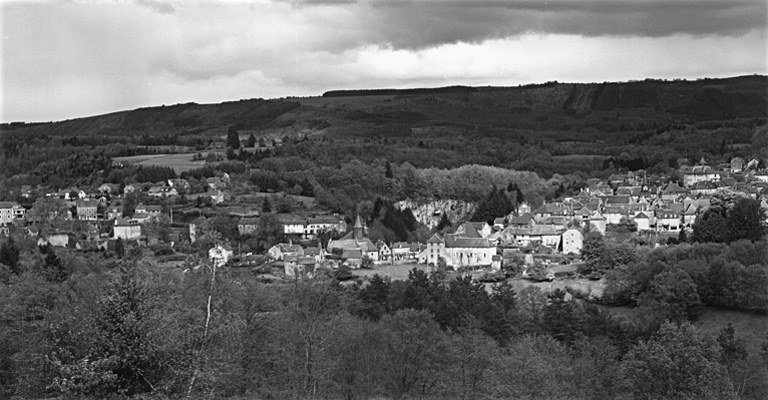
[422, 24]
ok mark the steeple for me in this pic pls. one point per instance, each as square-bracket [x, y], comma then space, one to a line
[359, 230]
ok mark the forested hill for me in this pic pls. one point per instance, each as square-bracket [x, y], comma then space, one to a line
[550, 106]
[550, 128]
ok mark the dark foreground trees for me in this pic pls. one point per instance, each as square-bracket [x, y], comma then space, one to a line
[134, 329]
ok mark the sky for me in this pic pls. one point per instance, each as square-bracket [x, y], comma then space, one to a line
[68, 59]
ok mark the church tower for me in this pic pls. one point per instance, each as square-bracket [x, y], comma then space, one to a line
[359, 230]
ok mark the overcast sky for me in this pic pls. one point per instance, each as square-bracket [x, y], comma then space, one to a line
[78, 58]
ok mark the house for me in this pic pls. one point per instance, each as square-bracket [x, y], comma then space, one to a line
[293, 225]
[672, 192]
[689, 215]
[126, 229]
[86, 210]
[545, 235]
[107, 188]
[573, 241]
[698, 173]
[155, 191]
[496, 262]
[299, 266]
[153, 211]
[282, 250]
[113, 212]
[614, 214]
[55, 240]
[316, 225]
[667, 221]
[219, 255]
[643, 222]
[10, 211]
[400, 251]
[704, 188]
[522, 220]
[598, 222]
[315, 252]
[582, 215]
[128, 189]
[162, 191]
[385, 253]
[460, 251]
[247, 226]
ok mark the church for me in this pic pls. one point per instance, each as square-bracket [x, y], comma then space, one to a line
[460, 251]
[354, 245]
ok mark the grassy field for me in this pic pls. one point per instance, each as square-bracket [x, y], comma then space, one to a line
[395, 272]
[179, 162]
[752, 327]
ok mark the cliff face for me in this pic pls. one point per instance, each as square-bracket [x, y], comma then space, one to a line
[430, 213]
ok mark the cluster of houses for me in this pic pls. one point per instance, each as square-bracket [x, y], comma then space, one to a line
[651, 204]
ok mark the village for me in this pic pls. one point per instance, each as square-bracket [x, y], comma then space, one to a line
[654, 209]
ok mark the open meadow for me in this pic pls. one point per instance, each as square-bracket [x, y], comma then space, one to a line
[179, 162]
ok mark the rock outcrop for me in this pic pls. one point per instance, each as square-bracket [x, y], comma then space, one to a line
[429, 213]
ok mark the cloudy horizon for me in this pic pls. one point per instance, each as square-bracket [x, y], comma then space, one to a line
[64, 60]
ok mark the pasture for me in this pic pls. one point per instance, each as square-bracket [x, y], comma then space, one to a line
[179, 162]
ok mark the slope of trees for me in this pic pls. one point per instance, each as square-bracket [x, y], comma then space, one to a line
[135, 330]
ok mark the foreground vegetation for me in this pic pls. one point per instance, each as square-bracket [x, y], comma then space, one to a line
[97, 326]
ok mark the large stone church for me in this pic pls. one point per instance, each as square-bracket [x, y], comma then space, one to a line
[468, 247]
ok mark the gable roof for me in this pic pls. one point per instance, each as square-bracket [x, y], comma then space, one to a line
[435, 239]
[524, 219]
[453, 241]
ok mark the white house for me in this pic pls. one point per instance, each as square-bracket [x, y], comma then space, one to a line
[667, 221]
[643, 222]
[10, 211]
[573, 241]
[126, 229]
[385, 253]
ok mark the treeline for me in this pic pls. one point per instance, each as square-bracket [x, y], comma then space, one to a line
[678, 280]
[131, 329]
[361, 181]
[395, 92]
